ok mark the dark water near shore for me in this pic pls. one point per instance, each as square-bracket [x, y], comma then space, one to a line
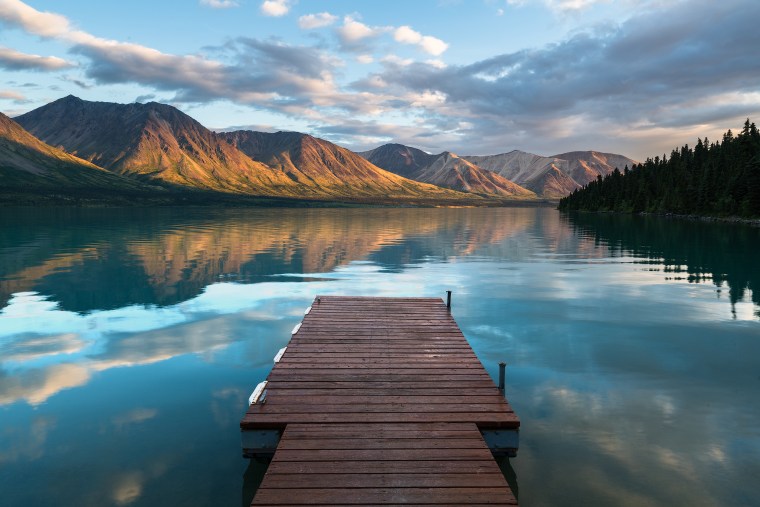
[130, 340]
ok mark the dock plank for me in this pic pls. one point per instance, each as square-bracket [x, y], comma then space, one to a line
[381, 401]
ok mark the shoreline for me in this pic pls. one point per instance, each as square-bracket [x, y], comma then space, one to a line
[753, 222]
[89, 200]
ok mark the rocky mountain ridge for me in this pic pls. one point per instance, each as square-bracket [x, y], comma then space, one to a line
[445, 169]
[319, 165]
[555, 176]
[159, 145]
[158, 142]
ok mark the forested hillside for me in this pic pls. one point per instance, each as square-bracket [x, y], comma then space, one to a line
[713, 178]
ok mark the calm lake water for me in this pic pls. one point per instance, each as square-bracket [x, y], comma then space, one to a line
[131, 339]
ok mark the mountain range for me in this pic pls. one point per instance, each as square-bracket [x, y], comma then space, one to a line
[152, 148]
[554, 176]
[445, 169]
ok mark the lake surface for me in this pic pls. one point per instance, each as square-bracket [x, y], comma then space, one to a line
[131, 339]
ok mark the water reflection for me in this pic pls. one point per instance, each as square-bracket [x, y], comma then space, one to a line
[726, 255]
[138, 334]
[91, 259]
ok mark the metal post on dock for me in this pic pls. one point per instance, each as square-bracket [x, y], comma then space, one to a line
[448, 299]
[502, 375]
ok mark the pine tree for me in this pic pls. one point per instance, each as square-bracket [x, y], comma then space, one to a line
[710, 179]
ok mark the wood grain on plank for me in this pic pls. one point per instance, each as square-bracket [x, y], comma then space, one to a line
[381, 401]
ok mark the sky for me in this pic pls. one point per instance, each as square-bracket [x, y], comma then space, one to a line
[476, 77]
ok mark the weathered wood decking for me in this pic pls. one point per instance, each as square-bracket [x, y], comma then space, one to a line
[380, 401]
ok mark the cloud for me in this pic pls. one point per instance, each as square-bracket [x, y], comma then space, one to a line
[128, 488]
[219, 4]
[355, 35]
[141, 99]
[134, 416]
[405, 35]
[44, 24]
[312, 21]
[275, 8]
[559, 6]
[616, 79]
[37, 385]
[31, 347]
[633, 85]
[77, 82]
[575, 7]
[272, 74]
[11, 95]
[10, 59]
[571, 5]
[396, 61]
[25, 442]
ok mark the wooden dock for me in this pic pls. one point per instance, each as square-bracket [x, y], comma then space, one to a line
[380, 401]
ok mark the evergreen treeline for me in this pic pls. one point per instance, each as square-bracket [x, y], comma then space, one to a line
[718, 179]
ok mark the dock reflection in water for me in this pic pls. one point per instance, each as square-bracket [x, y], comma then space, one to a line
[138, 335]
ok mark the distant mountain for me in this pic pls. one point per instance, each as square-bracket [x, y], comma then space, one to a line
[445, 169]
[585, 166]
[153, 141]
[546, 176]
[555, 176]
[323, 168]
[158, 143]
[397, 158]
[28, 164]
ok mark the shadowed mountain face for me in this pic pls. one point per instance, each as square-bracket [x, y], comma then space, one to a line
[27, 163]
[555, 176]
[322, 167]
[446, 170]
[152, 140]
[397, 158]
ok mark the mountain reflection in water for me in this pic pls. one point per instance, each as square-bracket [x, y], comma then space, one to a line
[131, 338]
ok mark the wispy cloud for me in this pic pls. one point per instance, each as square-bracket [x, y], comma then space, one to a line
[571, 5]
[219, 4]
[10, 59]
[320, 20]
[11, 95]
